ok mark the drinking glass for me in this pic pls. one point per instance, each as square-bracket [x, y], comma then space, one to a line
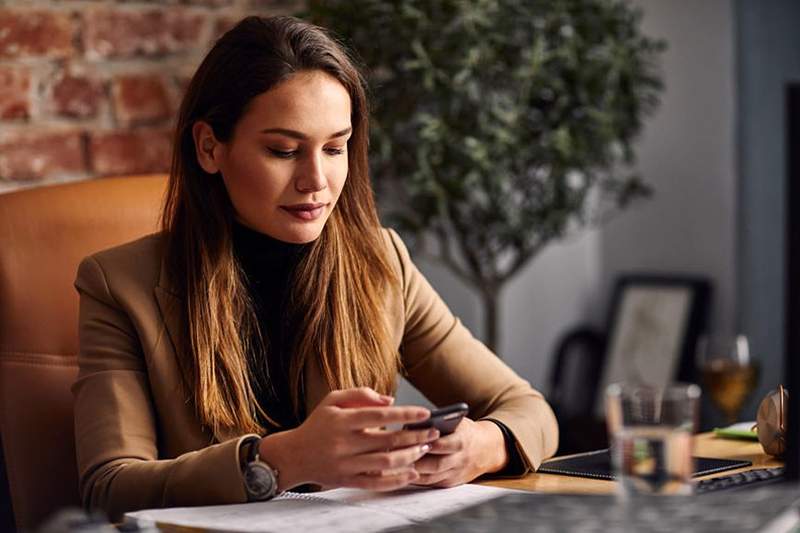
[650, 430]
[728, 371]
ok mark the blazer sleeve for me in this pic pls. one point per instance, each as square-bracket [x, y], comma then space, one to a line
[115, 421]
[447, 364]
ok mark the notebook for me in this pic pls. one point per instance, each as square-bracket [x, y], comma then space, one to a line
[597, 464]
[332, 511]
[742, 430]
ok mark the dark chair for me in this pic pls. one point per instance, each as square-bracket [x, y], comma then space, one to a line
[574, 379]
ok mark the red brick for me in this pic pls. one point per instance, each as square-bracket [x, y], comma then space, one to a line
[35, 33]
[140, 99]
[41, 154]
[182, 77]
[183, 83]
[223, 24]
[277, 7]
[152, 32]
[15, 84]
[130, 152]
[76, 96]
[210, 3]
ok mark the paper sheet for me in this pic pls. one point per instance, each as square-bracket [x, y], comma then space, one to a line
[330, 511]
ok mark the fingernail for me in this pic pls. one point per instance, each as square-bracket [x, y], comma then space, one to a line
[433, 434]
[387, 399]
[425, 448]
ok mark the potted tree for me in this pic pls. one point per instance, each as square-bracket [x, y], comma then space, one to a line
[500, 125]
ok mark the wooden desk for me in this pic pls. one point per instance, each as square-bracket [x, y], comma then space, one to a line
[706, 445]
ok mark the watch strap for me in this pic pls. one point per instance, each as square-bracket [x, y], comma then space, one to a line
[257, 472]
[248, 449]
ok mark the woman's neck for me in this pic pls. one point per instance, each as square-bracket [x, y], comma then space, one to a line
[254, 244]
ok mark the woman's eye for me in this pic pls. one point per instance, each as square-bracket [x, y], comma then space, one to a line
[288, 154]
[285, 154]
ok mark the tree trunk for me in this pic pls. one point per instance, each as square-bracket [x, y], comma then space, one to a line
[491, 317]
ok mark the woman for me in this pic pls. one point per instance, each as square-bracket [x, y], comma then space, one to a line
[252, 346]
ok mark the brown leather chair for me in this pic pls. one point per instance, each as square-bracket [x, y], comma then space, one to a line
[44, 233]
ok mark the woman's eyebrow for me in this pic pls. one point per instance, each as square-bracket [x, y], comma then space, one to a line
[302, 136]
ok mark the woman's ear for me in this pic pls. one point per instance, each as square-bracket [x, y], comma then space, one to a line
[207, 147]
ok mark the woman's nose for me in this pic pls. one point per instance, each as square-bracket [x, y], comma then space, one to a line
[311, 175]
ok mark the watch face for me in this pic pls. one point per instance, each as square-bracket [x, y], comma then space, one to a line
[260, 481]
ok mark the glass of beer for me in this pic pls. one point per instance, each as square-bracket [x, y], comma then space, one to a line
[728, 371]
[650, 431]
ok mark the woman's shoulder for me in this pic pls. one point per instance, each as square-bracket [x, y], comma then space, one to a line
[134, 263]
[396, 250]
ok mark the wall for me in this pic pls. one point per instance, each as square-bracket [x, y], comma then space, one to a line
[687, 154]
[90, 89]
[769, 56]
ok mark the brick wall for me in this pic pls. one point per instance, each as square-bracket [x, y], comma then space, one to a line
[90, 88]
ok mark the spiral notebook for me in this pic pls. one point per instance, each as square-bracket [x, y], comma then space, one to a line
[332, 511]
[597, 464]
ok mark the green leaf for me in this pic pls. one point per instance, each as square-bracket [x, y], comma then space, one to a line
[483, 109]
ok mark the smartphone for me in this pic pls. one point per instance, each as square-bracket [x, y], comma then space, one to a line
[445, 419]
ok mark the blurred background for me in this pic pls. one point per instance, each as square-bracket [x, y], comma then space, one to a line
[89, 89]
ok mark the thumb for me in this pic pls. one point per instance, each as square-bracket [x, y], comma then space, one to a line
[358, 397]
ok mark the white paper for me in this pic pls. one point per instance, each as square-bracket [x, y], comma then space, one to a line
[330, 511]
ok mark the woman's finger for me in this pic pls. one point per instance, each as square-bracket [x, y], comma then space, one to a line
[370, 417]
[356, 397]
[384, 481]
[435, 479]
[447, 482]
[452, 443]
[380, 461]
[431, 464]
[392, 440]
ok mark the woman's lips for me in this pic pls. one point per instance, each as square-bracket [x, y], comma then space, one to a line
[305, 211]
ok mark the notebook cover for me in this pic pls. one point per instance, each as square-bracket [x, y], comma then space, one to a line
[597, 464]
[742, 430]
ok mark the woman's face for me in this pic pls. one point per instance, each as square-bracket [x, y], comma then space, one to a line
[286, 163]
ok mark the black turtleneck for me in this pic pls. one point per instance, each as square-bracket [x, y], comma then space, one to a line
[269, 265]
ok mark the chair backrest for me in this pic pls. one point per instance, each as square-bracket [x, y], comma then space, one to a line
[44, 233]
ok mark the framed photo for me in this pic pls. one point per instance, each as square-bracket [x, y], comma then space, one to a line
[654, 326]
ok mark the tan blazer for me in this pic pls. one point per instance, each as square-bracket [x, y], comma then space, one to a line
[139, 443]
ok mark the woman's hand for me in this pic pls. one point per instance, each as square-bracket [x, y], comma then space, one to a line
[475, 448]
[341, 444]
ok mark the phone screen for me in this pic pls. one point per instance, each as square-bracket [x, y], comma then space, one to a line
[445, 419]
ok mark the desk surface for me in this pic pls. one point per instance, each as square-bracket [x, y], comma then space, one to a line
[706, 445]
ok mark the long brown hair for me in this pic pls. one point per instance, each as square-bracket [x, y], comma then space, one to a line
[340, 285]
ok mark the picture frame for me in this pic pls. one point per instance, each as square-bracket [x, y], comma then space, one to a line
[653, 328]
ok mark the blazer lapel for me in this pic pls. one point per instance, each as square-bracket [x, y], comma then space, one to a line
[169, 305]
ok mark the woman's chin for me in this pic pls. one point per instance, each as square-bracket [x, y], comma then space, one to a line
[302, 235]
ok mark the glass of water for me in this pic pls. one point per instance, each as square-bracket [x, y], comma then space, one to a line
[650, 430]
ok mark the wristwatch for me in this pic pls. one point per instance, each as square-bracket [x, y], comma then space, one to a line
[260, 479]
